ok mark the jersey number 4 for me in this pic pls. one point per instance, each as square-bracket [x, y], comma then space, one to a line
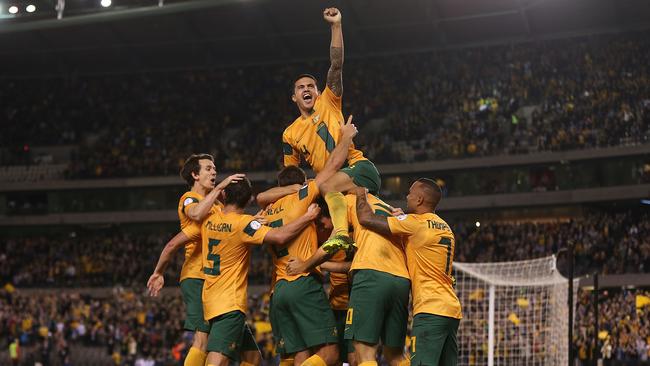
[215, 270]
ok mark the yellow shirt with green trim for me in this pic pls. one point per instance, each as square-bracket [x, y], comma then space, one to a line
[283, 212]
[315, 137]
[339, 295]
[192, 266]
[430, 246]
[226, 259]
[375, 251]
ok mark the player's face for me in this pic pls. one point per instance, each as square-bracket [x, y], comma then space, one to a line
[305, 92]
[412, 198]
[323, 228]
[207, 174]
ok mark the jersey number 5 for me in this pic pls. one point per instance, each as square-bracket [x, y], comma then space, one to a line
[215, 258]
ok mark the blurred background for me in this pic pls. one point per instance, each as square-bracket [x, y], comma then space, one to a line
[532, 115]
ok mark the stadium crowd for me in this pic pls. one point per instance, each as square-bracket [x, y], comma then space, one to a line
[98, 259]
[130, 326]
[624, 331]
[585, 92]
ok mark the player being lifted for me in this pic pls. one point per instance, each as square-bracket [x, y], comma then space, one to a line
[303, 324]
[194, 205]
[430, 246]
[315, 133]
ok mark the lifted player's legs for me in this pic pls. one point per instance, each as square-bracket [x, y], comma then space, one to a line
[331, 191]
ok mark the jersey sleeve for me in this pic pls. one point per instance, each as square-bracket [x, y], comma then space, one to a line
[252, 231]
[402, 224]
[193, 231]
[307, 195]
[291, 156]
[331, 99]
[189, 202]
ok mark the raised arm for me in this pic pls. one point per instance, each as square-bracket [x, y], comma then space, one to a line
[335, 73]
[157, 279]
[340, 153]
[273, 194]
[366, 217]
[201, 210]
[287, 232]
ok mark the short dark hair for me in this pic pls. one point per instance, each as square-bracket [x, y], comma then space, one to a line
[191, 165]
[238, 193]
[293, 86]
[433, 190]
[291, 175]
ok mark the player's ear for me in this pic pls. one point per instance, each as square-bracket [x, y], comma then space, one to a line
[293, 97]
[195, 175]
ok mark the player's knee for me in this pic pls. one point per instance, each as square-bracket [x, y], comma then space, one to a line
[394, 356]
[217, 359]
[329, 353]
[252, 357]
[200, 341]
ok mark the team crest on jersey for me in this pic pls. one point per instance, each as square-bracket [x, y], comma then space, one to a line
[315, 119]
[401, 217]
[255, 225]
[187, 201]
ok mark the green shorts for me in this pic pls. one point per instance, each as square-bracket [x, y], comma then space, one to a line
[364, 174]
[433, 340]
[191, 288]
[301, 316]
[345, 345]
[378, 308]
[230, 335]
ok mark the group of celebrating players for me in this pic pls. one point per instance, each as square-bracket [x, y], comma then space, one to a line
[377, 256]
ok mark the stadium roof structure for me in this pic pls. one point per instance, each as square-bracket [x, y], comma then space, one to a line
[209, 33]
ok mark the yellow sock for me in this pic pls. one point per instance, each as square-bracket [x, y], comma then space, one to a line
[286, 362]
[244, 363]
[195, 357]
[368, 363]
[405, 362]
[338, 211]
[314, 360]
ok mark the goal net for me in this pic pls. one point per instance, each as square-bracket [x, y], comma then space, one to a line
[514, 313]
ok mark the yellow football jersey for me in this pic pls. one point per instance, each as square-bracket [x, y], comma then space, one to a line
[315, 137]
[226, 259]
[192, 266]
[284, 211]
[430, 248]
[375, 251]
[339, 286]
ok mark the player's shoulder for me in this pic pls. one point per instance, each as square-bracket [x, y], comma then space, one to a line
[188, 198]
[292, 126]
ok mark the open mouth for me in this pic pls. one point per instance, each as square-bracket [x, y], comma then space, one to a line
[213, 181]
[307, 97]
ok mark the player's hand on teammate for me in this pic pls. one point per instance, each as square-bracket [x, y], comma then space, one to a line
[332, 15]
[231, 179]
[312, 212]
[259, 216]
[359, 191]
[295, 266]
[155, 284]
[348, 129]
[396, 211]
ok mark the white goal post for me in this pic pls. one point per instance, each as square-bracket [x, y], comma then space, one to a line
[514, 313]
